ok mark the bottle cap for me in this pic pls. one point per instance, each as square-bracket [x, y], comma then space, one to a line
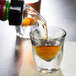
[15, 12]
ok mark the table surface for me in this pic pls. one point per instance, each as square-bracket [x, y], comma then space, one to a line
[16, 58]
[16, 54]
[68, 66]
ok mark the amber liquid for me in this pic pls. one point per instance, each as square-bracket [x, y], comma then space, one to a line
[35, 5]
[47, 52]
[29, 22]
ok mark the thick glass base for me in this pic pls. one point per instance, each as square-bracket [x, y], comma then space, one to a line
[46, 70]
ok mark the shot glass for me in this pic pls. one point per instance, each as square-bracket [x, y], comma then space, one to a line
[48, 51]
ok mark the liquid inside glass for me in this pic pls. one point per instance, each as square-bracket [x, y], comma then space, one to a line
[47, 52]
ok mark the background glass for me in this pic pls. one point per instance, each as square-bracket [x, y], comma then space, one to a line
[30, 18]
[48, 52]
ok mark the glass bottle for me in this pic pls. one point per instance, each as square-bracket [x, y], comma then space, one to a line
[21, 15]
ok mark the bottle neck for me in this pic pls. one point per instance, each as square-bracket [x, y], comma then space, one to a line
[11, 11]
[7, 10]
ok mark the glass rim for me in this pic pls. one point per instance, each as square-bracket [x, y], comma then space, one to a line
[33, 36]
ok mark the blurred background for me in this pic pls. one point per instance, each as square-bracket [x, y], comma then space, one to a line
[61, 13]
